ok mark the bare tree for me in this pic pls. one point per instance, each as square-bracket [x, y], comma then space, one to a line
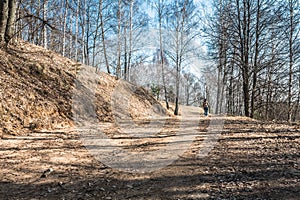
[160, 8]
[119, 14]
[103, 35]
[3, 20]
[242, 43]
[45, 16]
[292, 34]
[84, 32]
[65, 16]
[183, 22]
[128, 63]
[76, 19]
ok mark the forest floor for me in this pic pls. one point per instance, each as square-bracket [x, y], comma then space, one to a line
[247, 159]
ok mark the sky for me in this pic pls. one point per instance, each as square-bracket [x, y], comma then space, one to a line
[196, 65]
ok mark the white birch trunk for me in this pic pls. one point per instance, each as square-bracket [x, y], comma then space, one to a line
[45, 13]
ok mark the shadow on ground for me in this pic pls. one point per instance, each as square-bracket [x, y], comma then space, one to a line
[253, 164]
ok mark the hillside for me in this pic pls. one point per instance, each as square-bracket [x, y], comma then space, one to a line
[38, 91]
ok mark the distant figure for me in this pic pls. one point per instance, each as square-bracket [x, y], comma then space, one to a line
[205, 107]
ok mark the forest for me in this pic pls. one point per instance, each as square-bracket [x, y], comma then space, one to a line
[102, 99]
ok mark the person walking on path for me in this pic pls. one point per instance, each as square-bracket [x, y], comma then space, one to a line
[205, 107]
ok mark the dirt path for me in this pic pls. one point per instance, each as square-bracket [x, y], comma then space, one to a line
[247, 160]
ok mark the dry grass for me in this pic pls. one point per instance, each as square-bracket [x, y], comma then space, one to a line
[38, 89]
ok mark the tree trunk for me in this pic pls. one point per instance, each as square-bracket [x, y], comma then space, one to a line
[83, 49]
[65, 29]
[103, 36]
[221, 58]
[291, 62]
[160, 16]
[45, 13]
[246, 91]
[296, 113]
[187, 90]
[255, 70]
[224, 81]
[37, 36]
[19, 24]
[125, 52]
[127, 76]
[269, 92]
[95, 36]
[219, 85]
[3, 20]
[176, 110]
[244, 39]
[10, 27]
[118, 69]
[76, 30]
